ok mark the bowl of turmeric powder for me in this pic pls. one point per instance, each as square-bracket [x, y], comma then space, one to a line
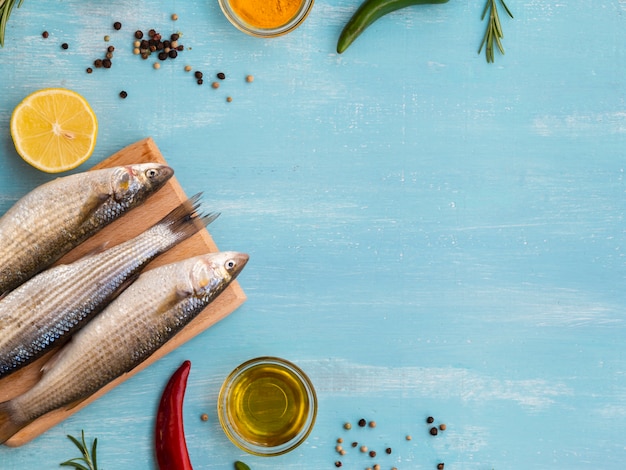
[267, 18]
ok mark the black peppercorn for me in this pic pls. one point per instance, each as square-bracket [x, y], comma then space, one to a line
[45, 34]
[433, 431]
[440, 466]
[97, 63]
[200, 81]
[430, 419]
[198, 74]
[106, 63]
[162, 55]
[123, 94]
[89, 70]
[222, 76]
[65, 45]
[117, 25]
[138, 34]
[180, 47]
[388, 450]
[338, 464]
[372, 453]
[110, 49]
[173, 54]
[362, 422]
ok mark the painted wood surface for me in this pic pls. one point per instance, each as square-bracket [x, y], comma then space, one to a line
[428, 234]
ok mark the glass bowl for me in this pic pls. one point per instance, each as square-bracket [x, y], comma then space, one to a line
[267, 406]
[259, 22]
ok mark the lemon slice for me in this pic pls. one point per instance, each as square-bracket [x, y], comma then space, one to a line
[54, 129]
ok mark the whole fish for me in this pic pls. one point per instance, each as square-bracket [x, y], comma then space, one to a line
[143, 318]
[47, 309]
[59, 215]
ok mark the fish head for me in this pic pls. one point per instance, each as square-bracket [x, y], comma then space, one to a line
[214, 271]
[137, 182]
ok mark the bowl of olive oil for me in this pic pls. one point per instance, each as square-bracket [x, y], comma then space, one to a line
[267, 406]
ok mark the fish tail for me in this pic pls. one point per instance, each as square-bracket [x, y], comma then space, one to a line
[8, 426]
[184, 220]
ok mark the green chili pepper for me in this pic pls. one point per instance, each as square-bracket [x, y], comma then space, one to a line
[370, 11]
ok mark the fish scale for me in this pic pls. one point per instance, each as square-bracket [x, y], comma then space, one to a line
[145, 316]
[57, 216]
[46, 310]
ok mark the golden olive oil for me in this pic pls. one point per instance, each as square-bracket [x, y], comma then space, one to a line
[268, 405]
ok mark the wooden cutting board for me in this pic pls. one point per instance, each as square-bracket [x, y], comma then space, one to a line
[129, 226]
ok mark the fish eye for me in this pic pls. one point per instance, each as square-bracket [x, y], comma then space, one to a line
[230, 264]
[151, 173]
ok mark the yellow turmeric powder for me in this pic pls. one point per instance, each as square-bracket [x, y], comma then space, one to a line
[266, 14]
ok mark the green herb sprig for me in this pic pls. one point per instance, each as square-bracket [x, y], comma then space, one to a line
[6, 7]
[494, 29]
[88, 458]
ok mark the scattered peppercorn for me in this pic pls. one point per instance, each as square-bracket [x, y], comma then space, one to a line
[215, 85]
[175, 37]
[347, 426]
[174, 17]
[442, 426]
[372, 424]
[433, 431]
[430, 420]
[117, 25]
[339, 440]
[89, 70]
[363, 449]
[110, 48]
[123, 94]
[187, 68]
[249, 78]
[200, 81]
[354, 444]
[376, 467]
[139, 34]
[156, 65]
[338, 464]
[388, 450]
[440, 466]
[229, 99]
[45, 34]
[204, 417]
[221, 75]
[97, 63]
[372, 453]
[198, 74]
[107, 38]
[106, 63]
[362, 422]
[65, 45]
[408, 437]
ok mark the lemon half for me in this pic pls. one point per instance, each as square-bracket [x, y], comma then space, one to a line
[54, 129]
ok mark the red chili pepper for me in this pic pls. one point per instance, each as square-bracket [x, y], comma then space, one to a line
[171, 447]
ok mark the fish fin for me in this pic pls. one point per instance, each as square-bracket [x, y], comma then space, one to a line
[185, 220]
[95, 250]
[8, 426]
[56, 357]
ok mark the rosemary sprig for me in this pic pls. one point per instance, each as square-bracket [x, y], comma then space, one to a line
[6, 6]
[494, 29]
[87, 458]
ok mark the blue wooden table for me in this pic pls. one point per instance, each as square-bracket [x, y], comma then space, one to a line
[429, 234]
